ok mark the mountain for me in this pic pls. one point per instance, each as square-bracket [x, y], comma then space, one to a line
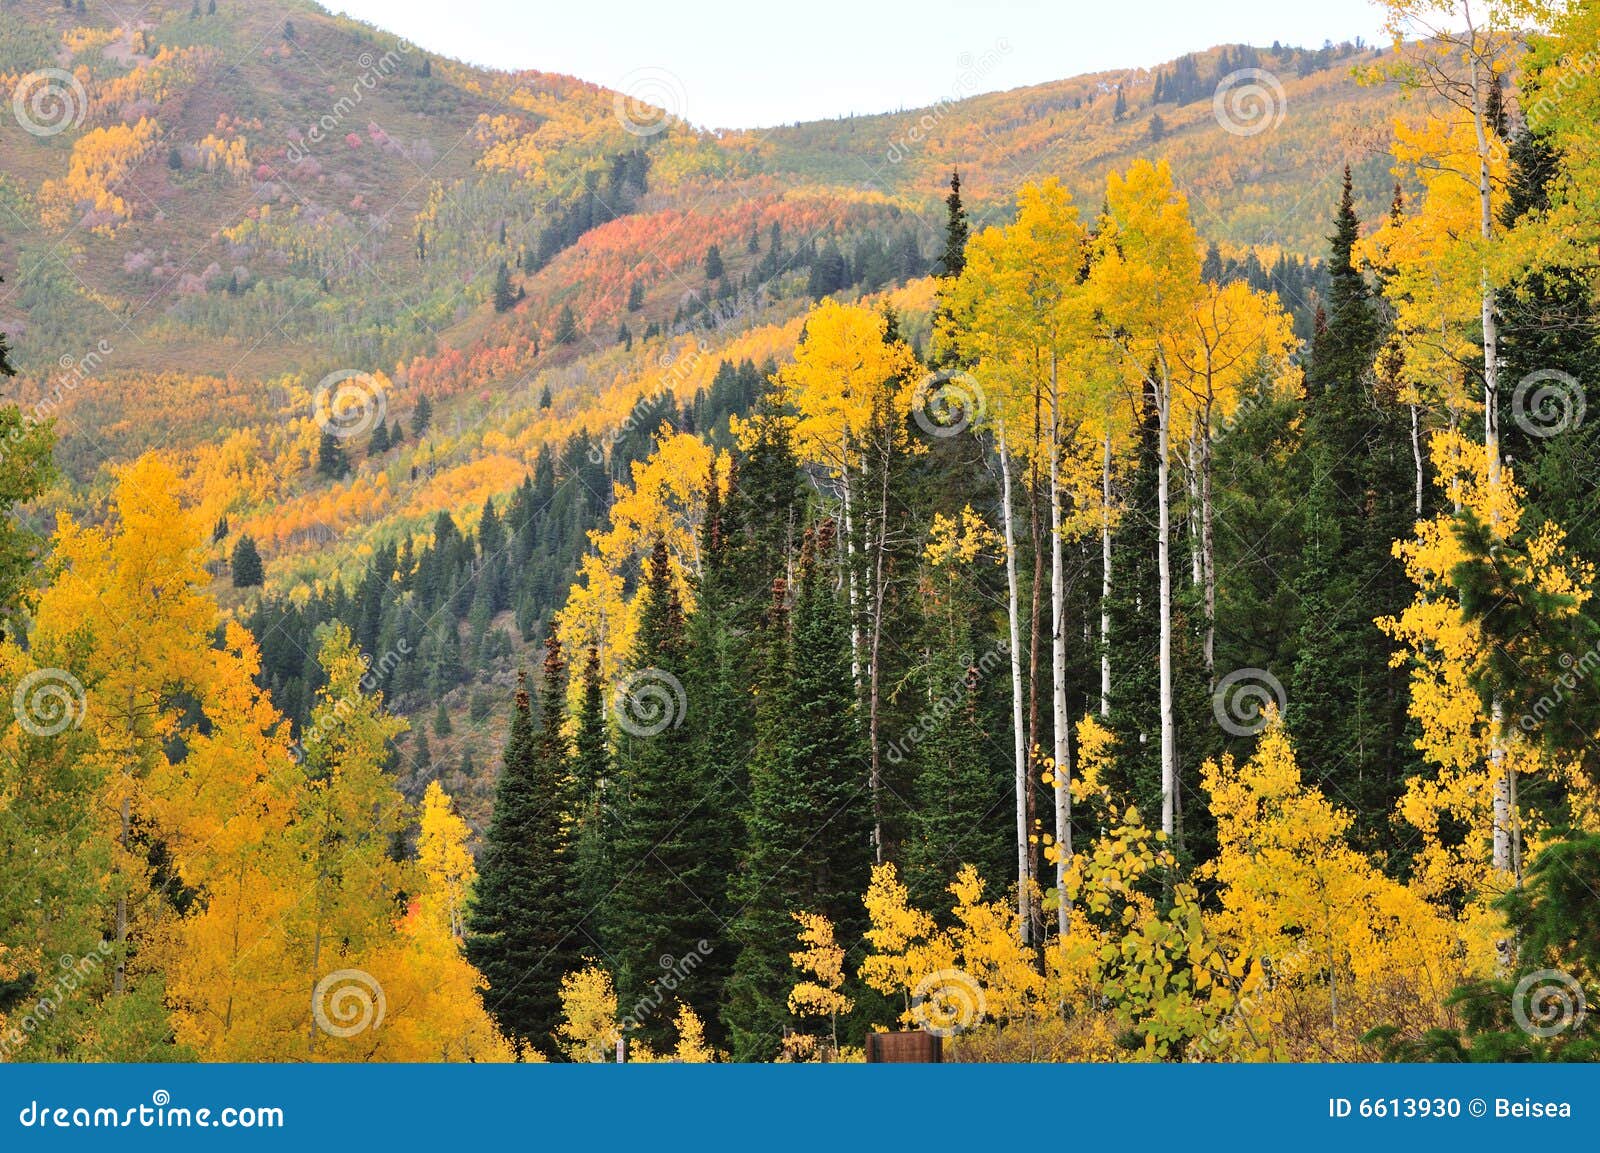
[218, 217]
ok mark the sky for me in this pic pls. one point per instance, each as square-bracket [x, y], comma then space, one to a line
[749, 64]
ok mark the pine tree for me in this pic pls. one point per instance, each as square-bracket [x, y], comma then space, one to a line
[954, 257]
[635, 296]
[247, 568]
[504, 298]
[714, 268]
[523, 931]
[1346, 705]
[421, 416]
[593, 862]
[331, 461]
[379, 444]
[809, 821]
[566, 326]
[669, 902]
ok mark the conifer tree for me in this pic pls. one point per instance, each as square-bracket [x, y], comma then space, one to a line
[668, 903]
[809, 821]
[1346, 705]
[331, 461]
[523, 932]
[247, 569]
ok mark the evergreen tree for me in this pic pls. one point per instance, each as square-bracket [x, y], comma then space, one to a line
[504, 298]
[714, 268]
[670, 903]
[635, 296]
[331, 461]
[566, 326]
[523, 928]
[808, 825]
[247, 567]
[593, 862]
[421, 416]
[1346, 705]
[954, 257]
[379, 444]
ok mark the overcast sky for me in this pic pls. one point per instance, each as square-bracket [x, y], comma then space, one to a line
[745, 63]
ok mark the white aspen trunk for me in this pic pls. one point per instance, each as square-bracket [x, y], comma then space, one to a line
[1105, 577]
[1499, 767]
[1416, 453]
[1208, 558]
[1191, 481]
[1058, 661]
[1019, 745]
[850, 574]
[1169, 724]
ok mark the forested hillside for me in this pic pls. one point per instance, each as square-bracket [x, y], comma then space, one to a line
[1100, 571]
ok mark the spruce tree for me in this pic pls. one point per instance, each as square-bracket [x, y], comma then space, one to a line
[421, 416]
[592, 785]
[1346, 706]
[523, 930]
[504, 298]
[809, 823]
[664, 917]
[953, 259]
[247, 568]
[331, 461]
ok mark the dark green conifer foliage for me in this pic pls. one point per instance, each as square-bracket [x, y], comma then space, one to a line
[666, 849]
[523, 931]
[1346, 706]
[247, 568]
[808, 825]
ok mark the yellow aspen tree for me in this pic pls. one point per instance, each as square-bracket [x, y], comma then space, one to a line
[1236, 333]
[1005, 414]
[851, 388]
[822, 961]
[1146, 283]
[1455, 50]
[1332, 945]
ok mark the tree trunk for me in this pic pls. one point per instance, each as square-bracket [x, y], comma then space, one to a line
[1169, 724]
[1208, 557]
[119, 974]
[873, 667]
[1019, 751]
[1105, 577]
[1499, 766]
[1416, 453]
[1058, 657]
